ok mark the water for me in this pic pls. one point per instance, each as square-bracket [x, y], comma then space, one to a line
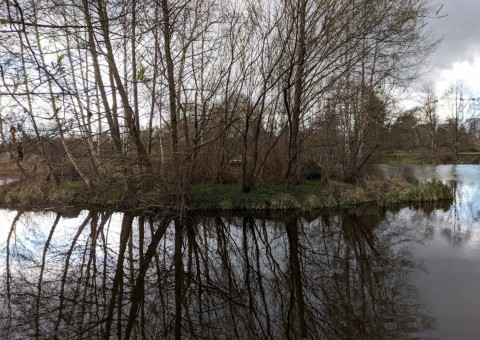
[449, 251]
[410, 272]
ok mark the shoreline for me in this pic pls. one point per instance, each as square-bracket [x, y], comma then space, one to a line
[423, 158]
[304, 197]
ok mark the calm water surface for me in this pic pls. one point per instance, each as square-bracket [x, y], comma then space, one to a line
[450, 250]
[409, 272]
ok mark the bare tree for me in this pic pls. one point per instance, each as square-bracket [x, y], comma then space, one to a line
[429, 117]
[262, 85]
[458, 104]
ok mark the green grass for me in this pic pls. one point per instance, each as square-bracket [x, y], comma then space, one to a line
[416, 192]
[311, 195]
[428, 158]
[307, 196]
[231, 197]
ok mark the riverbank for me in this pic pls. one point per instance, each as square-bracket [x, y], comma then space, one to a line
[307, 196]
[428, 158]
[311, 195]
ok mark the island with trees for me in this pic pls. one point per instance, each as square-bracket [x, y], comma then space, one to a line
[219, 104]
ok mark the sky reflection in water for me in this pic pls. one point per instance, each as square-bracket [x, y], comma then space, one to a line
[450, 251]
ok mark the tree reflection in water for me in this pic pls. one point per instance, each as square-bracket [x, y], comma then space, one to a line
[118, 275]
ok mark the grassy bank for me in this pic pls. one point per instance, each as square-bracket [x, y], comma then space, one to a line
[111, 195]
[312, 195]
[306, 196]
[428, 158]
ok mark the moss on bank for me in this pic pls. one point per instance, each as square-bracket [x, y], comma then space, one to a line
[307, 196]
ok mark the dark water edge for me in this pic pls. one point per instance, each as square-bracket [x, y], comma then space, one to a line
[406, 272]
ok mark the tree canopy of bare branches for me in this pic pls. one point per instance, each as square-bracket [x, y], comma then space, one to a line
[179, 91]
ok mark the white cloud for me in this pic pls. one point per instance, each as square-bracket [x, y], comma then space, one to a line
[467, 71]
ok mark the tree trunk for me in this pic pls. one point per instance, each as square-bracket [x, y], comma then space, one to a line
[294, 115]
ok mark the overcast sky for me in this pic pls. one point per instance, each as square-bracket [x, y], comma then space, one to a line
[458, 55]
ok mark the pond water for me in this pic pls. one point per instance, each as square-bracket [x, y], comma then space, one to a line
[449, 250]
[365, 273]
